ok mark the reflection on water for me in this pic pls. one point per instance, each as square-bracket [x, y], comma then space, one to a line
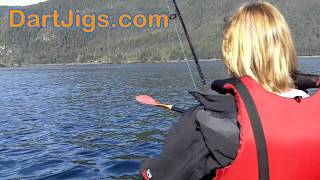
[61, 122]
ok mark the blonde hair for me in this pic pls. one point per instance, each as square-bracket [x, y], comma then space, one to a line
[257, 42]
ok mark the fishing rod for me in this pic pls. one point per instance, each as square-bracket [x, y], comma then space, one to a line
[148, 100]
[203, 81]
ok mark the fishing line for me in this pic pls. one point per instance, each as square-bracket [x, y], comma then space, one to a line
[182, 48]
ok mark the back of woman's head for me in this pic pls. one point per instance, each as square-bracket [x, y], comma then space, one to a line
[257, 42]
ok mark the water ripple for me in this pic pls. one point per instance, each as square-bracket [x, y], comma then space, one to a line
[82, 122]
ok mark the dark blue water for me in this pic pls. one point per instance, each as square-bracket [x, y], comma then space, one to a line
[82, 122]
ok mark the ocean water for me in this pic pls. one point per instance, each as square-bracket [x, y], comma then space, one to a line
[82, 121]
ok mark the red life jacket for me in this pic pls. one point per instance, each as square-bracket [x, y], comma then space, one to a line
[279, 137]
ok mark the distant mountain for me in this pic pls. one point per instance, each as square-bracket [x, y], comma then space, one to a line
[204, 20]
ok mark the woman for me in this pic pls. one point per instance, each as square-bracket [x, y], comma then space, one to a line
[263, 127]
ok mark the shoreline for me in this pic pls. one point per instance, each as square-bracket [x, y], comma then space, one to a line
[314, 56]
[126, 62]
[101, 63]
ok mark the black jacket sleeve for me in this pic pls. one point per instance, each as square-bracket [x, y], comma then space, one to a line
[185, 155]
[193, 150]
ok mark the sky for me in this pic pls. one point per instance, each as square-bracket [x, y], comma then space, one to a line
[19, 2]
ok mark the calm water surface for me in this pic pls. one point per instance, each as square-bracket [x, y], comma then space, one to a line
[82, 122]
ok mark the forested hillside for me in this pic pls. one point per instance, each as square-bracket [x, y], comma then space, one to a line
[204, 20]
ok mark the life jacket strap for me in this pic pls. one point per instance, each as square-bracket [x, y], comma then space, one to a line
[260, 140]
